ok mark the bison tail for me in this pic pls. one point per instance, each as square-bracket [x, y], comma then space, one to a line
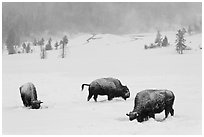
[82, 86]
[20, 89]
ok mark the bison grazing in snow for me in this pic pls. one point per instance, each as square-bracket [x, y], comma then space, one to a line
[107, 86]
[149, 102]
[29, 96]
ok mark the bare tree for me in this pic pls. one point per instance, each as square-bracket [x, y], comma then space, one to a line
[92, 38]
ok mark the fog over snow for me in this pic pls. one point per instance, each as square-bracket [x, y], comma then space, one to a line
[97, 17]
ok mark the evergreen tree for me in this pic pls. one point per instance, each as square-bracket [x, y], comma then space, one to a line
[165, 42]
[28, 48]
[12, 39]
[158, 39]
[35, 42]
[65, 39]
[56, 45]
[48, 45]
[24, 47]
[180, 46]
[42, 49]
[43, 53]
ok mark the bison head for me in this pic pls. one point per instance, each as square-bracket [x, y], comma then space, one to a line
[36, 104]
[132, 115]
[126, 92]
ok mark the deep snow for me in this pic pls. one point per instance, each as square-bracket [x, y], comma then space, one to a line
[65, 109]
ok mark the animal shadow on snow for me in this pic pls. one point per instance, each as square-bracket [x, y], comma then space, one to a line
[122, 119]
[42, 107]
[160, 119]
[23, 107]
[107, 101]
[14, 107]
[163, 119]
[157, 119]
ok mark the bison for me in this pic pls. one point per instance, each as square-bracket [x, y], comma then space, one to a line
[107, 86]
[151, 101]
[29, 96]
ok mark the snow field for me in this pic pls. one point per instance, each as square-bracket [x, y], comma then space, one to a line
[65, 109]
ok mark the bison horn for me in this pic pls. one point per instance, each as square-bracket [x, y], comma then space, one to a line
[128, 114]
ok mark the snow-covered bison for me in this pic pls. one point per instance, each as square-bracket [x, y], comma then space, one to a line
[149, 102]
[29, 96]
[107, 86]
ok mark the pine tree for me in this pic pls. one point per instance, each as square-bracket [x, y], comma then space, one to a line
[43, 53]
[56, 45]
[12, 40]
[35, 42]
[165, 42]
[48, 45]
[180, 46]
[28, 48]
[158, 39]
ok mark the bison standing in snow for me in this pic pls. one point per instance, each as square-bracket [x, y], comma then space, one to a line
[107, 86]
[29, 96]
[149, 102]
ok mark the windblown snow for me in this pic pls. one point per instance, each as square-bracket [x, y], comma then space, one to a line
[65, 109]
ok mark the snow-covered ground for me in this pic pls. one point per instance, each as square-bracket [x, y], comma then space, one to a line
[65, 109]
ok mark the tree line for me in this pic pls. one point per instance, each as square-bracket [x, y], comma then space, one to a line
[95, 17]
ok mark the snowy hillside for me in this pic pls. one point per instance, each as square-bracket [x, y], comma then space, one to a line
[65, 109]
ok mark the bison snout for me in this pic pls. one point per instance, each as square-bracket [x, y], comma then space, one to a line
[132, 115]
[36, 104]
[127, 95]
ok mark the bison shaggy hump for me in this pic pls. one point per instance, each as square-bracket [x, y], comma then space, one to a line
[29, 96]
[149, 102]
[107, 86]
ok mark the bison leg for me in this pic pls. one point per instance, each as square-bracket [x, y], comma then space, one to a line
[140, 119]
[167, 112]
[152, 115]
[110, 97]
[169, 109]
[146, 118]
[89, 97]
[172, 111]
[95, 97]
[25, 103]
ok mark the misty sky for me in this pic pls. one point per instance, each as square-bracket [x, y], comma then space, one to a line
[98, 17]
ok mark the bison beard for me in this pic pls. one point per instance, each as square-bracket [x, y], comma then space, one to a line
[29, 96]
[149, 102]
[107, 86]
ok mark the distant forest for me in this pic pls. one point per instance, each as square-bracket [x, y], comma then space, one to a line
[97, 17]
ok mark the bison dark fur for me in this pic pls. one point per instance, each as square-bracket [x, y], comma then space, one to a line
[29, 96]
[107, 86]
[149, 102]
